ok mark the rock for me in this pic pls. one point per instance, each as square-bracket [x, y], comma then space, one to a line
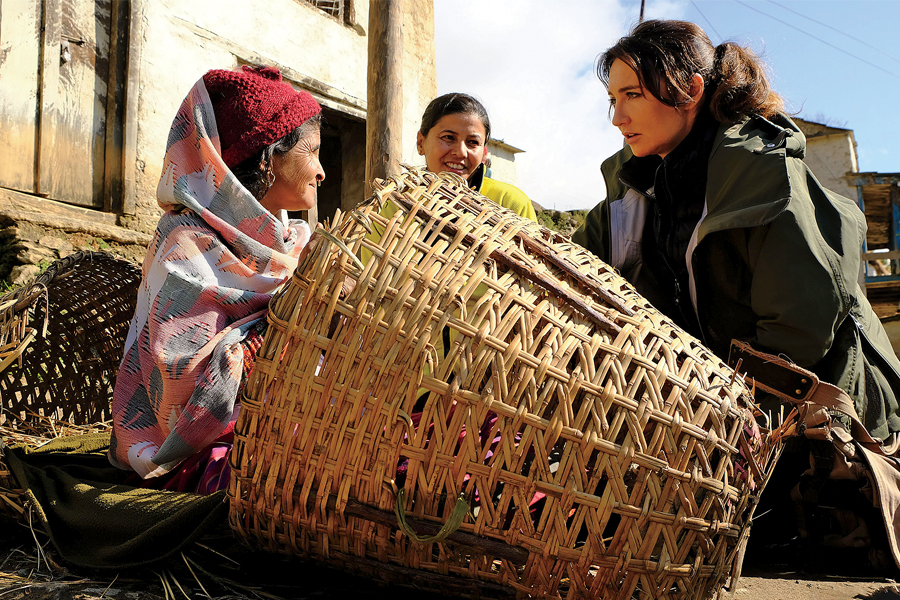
[23, 274]
[55, 243]
[32, 254]
[23, 230]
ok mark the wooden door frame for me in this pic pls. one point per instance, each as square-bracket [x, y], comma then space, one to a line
[127, 200]
[118, 192]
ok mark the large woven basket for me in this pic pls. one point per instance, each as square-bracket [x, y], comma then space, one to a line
[62, 339]
[491, 411]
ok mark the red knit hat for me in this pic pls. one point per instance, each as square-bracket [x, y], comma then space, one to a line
[255, 108]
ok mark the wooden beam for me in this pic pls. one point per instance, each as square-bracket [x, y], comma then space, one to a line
[132, 75]
[112, 156]
[875, 178]
[895, 219]
[384, 92]
[892, 255]
[49, 77]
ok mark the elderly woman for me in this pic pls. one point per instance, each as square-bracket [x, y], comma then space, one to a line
[243, 149]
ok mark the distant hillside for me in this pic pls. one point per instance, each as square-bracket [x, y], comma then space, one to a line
[565, 222]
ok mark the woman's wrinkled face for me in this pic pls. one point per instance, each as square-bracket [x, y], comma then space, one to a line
[649, 126]
[297, 175]
[455, 144]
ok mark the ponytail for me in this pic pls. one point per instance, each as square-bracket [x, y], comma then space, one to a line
[738, 86]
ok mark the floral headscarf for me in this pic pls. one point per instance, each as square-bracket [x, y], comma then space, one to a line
[215, 261]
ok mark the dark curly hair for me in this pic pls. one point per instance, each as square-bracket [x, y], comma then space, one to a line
[666, 54]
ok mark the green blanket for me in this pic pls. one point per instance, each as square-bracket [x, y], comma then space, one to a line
[93, 518]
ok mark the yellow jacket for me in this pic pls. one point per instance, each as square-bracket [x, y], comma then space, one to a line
[507, 196]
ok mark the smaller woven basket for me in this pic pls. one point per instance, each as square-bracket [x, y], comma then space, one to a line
[62, 339]
[490, 411]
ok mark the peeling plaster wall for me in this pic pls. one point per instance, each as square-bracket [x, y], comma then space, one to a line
[419, 72]
[171, 44]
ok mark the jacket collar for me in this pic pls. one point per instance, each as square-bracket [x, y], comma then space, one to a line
[639, 173]
[747, 181]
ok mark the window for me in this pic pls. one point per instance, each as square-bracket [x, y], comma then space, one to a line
[339, 9]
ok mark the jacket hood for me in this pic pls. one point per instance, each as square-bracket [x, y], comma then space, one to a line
[760, 190]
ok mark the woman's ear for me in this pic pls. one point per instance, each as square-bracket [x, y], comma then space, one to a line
[697, 87]
[420, 143]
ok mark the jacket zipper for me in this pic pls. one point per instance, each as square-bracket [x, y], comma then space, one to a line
[658, 224]
[669, 267]
[696, 305]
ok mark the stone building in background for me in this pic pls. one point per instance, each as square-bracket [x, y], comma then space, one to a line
[90, 88]
[503, 161]
[831, 154]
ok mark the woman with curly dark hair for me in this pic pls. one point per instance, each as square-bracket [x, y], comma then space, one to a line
[714, 217]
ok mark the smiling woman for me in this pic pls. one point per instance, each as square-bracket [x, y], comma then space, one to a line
[453, 138]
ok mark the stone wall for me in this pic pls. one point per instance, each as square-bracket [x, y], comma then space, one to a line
[35, 232]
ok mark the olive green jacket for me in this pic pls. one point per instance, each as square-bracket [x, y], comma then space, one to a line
[774, 260]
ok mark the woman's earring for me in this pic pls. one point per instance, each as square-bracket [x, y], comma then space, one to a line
[270, 176]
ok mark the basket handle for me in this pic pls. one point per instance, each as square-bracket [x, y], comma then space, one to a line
[451, 525]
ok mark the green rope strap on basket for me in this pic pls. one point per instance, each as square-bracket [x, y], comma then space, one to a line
[451, 525]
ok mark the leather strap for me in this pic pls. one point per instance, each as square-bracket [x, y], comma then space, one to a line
[796, 385]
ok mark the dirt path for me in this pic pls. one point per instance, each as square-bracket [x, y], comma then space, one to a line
[770, 587]
[269, 577]
[792, 586]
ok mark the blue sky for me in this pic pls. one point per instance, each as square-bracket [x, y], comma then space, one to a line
[531, 63]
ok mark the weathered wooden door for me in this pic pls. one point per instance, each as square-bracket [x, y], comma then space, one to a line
[55, 105]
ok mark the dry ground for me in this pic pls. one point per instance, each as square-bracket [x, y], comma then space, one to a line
[219, 568]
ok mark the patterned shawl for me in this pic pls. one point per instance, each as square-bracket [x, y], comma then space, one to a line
[215, 261]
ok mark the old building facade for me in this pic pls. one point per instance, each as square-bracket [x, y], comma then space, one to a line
[831, 154]
[90, 88]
